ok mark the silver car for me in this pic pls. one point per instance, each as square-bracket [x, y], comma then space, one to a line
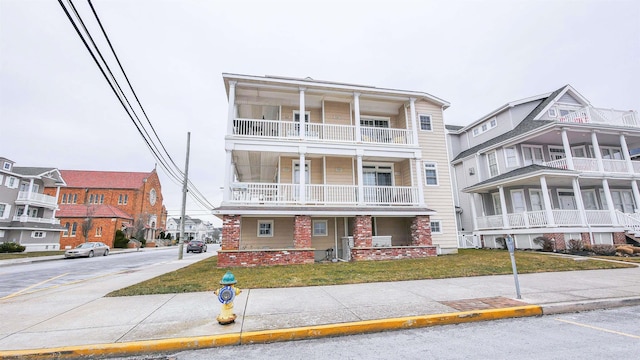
[88, 249]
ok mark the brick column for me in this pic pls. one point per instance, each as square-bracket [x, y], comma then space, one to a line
[619, 238]
[421, 231]
[302, 232]
[362, 233]
[230, 232]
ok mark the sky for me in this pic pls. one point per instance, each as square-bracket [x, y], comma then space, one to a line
[57, 110]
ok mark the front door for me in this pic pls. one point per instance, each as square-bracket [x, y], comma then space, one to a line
[567, 200]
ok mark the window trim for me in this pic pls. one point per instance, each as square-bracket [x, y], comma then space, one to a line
[6, 166]
[35, 233]
[495, 157]
[307, 116]
[526, 146]
[430, 129]
[435, 169]
[313, 227]
[5, 211]
[74, 229]
[260, 222]
[515, 156]
[553, 113]
[439, 222]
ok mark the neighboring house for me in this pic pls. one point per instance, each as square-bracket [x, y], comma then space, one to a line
[27, 215]
[194, 229]
[550, 165]
[318, 169]
[97, 203]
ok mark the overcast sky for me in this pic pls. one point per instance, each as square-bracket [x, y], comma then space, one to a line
[57, 110]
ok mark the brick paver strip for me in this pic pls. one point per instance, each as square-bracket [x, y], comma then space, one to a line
[483, 303]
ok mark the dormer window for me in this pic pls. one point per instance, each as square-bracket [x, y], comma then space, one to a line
[6, 166]
[486, 126]
[553, 113]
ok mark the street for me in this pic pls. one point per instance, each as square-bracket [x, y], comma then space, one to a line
[603, 334]
[22, 279]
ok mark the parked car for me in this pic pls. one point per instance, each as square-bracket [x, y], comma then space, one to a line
[88, 249]
[196, 246]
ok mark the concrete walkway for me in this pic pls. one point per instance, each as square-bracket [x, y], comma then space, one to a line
[81, 322]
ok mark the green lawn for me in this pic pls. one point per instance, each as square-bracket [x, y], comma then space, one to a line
[205, 276]
[9, 256]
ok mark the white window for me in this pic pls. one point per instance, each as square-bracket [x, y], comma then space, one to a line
[1, 233]
[589, 200]
[37, 234]
[579, 151]
[493, 123]
[493, 164]
[319, 227]
[476, 132]
[296, 116]
[436, 227]
[425, 122]
[6, 165]
[265, 228]
[511, 157]
[4, 211]
[375, 121]
[66, 230]
[497, 205]
[553, 113]
[484, 127]
[12, 182]
[431, 173]
[532, 154]
[517, 201]
[1, 177]
[535, 196]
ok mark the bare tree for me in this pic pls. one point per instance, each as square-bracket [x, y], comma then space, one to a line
[87, 223]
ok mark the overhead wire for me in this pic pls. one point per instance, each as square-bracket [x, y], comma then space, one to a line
[174, 172]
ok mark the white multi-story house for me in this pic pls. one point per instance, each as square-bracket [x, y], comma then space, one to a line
[194, 229]
[550, 165]
[27, 216]
[320, 170]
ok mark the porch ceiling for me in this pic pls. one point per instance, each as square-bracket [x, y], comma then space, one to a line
[254, 166]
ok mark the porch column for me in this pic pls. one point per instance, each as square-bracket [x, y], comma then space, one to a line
[625, 153]
[360, 178]
[636, 194]
[302, 176]
[302, 232]
[230, 232]
[356, 110]
[596, 150]
[420, 173]
[567, 150]
[362, 231]
[547, 201]
[503, 206]
[412, 107]
[303, 123]
[474, 212]
[577, 193]
[421, 231]
[232, 107]
[610, 205]
[478, 168]
[228, 179]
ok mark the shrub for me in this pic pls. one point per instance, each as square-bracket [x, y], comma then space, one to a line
[11, 247]
[605, 250]
[544, 242]
[120, 240]
[502, 242]
[575, 245]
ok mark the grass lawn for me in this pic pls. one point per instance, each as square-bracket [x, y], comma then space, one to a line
[205, 276]
[9, 256]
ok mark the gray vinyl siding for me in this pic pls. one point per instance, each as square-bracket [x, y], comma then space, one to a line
[568, 99]
[518, 113]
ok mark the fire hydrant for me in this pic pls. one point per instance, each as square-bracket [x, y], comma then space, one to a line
[226, 294]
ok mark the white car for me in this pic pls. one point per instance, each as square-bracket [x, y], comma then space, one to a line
[88, 249]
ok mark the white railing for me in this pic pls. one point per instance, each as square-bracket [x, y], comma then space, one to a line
[36, 197]
[518, 220]
[490, 222]
[591, 165]
[321, 194]
[602, 116]
[599, 217]
[25, 218]
[585, 164]
[468, 241]
[631, 222]
[537, 218]
[566, 217]
[319, 132]
[558, 164]
[562, 218]
[615, 166]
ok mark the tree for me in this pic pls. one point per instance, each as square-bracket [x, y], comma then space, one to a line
[87, 223]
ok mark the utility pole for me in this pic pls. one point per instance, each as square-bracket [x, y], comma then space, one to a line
[184, 198]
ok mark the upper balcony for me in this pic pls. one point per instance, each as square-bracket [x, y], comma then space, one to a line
[36, 199]
[289, 130]
[26, 218]
[611, 166]
[591, 115]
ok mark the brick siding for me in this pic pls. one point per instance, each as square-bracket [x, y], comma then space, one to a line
[230, 232]
[393, 253]
[253, 258]
[362, 234]
[421, 231]
[302, 232]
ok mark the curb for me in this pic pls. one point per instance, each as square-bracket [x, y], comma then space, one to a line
[588, 305]
[268, 336]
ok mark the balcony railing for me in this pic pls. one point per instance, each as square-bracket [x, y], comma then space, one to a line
[36, 198]
[591, 165]
[533, 219]
[602, 116]
[321, 194]
[25, 218]
[320, 132]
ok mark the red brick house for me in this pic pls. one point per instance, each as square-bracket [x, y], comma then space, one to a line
[113, 200]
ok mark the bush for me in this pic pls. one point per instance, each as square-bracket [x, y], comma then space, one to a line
[604, 250]
[544, 242]
[11, 247]
[502, 242]
[120, 240]
[575, 245]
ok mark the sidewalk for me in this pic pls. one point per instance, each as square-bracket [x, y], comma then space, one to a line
[72, 324]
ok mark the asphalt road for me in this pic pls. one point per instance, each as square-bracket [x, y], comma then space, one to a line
[603, 334]
[26, 278]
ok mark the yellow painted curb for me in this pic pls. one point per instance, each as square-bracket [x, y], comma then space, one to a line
[370, 326]
[135, 347]
[267, 336]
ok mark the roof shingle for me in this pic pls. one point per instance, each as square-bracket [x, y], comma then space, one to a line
[104, 179]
